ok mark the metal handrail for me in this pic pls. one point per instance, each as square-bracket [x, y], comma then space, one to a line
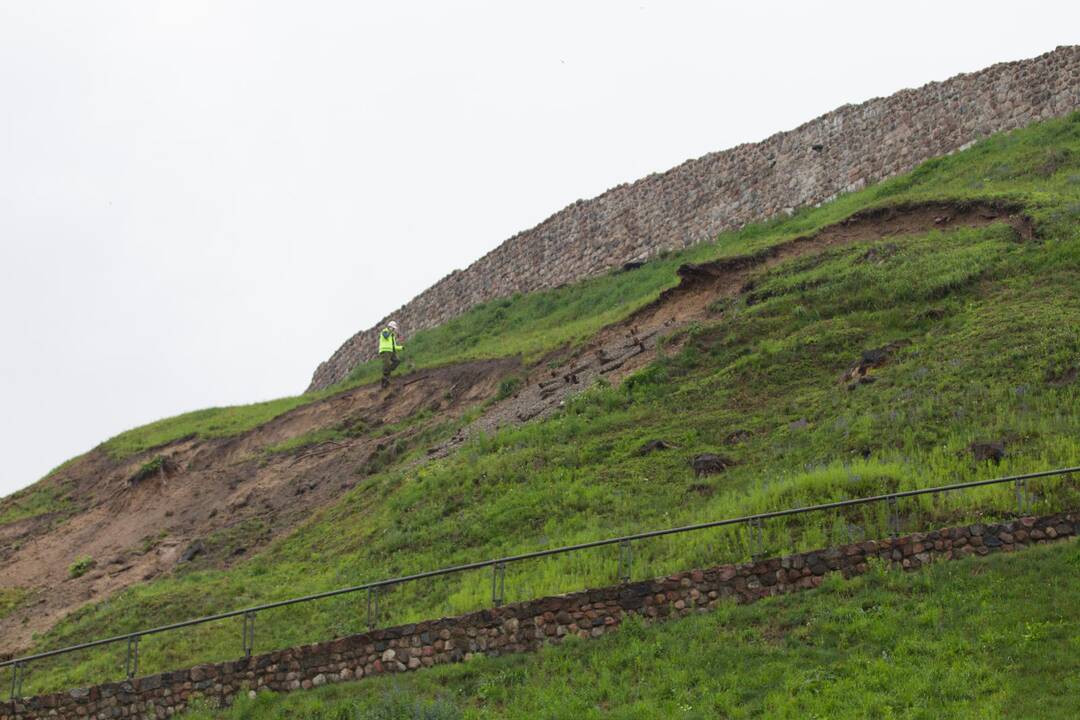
[500, 563]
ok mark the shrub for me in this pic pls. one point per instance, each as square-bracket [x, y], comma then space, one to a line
[148, 469]
[508, 387]
[81, 566]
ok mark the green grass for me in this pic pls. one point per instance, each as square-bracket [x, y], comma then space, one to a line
[991, 637]
[207, 423]
[81, 566]
[45, 497]
[987, 323]
[10, 599]
[309, 439]
[42, 498]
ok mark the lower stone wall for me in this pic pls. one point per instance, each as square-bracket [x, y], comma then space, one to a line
[526, 626]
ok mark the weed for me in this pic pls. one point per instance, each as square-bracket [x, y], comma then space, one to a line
[148, 469]
[81, 566]
[508, 387]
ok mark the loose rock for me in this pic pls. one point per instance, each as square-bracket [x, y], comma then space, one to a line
[984, 451]
[710, 464]
[654, 445]
[192, 551]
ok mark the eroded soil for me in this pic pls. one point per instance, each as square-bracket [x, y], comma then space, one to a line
[232, 495]
[235, 488]
[624, 347]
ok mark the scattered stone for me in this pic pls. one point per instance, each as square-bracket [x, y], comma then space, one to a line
[701, 489]
[880, 253]
[737, 436]
[934, 313]
[984, 451]
[654, 445]
[800, 424]
[866, 380]
[873, 359]
[710, 464]
[1062, 378]
[192, 551]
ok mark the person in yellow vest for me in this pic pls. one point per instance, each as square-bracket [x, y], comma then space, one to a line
[388, 347]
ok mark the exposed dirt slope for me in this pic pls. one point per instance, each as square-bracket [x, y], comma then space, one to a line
[626, 346]
[230, 495]
[233, 496]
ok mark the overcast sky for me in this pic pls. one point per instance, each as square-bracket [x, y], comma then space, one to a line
[199, 201]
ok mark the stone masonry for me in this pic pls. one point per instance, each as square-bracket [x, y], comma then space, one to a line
[527, 626]
[840, 151]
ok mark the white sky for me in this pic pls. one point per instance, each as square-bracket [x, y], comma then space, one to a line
[199, 201]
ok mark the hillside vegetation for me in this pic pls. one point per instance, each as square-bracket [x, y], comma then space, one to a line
[993, 637]
[533, 324]
[982, 334]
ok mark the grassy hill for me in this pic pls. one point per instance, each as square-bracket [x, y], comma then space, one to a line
[983, 327]
[993, 637]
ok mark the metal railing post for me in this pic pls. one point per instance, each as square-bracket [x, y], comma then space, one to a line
[131, 664]
[249, 633]
[372, 599]
[757, 539]
[18, 670]
[894, 517]
[498, 583]
[1023, 503]
[626, 559]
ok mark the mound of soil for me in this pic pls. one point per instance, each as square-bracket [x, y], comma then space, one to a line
[212, 500]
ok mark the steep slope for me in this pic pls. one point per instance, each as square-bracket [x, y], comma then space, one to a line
[994, 637]
[862, 346]
[621, 348]
[214, 500]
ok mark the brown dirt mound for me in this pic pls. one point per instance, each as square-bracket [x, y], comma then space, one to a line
[231, 494]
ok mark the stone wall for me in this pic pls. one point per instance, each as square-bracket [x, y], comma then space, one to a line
[527, 626]
[841, 151]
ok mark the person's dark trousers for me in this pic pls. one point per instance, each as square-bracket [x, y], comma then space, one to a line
[389, 362]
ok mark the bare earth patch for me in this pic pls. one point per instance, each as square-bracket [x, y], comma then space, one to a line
[139, 531]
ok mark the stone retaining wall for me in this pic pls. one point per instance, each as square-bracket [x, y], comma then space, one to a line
[526, 626]
[844, 150]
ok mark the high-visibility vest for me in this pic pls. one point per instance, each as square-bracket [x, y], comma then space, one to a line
[388, 341]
